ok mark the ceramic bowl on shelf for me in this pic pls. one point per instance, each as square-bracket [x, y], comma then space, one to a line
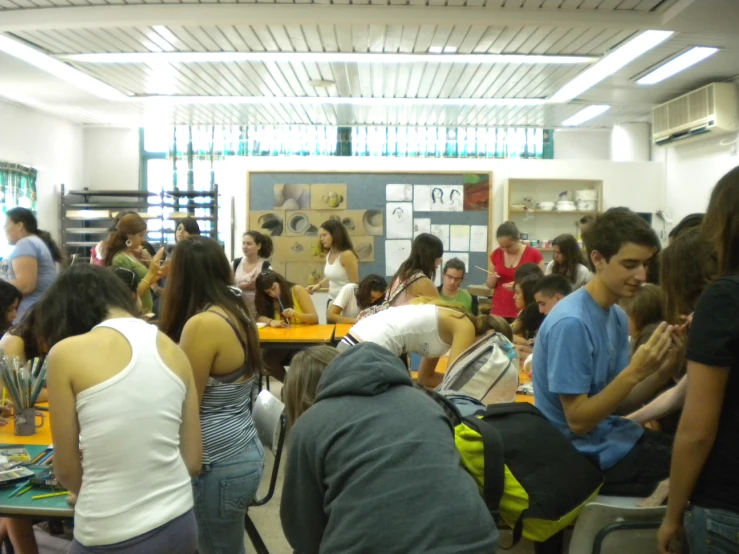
[546, 206]
[587, 205]
[586, 195]
[566, 206]
[518, 207]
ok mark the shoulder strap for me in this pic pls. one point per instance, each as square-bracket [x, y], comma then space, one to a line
[403, 285]
[494, 470]
[231, 324]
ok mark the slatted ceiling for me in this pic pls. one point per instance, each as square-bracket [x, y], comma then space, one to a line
[601, 5]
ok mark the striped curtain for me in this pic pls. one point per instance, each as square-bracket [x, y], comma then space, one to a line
[17, 186]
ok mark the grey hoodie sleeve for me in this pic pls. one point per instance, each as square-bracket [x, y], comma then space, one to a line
[301, 508]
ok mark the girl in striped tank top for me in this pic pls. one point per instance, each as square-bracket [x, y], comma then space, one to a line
[210, 320]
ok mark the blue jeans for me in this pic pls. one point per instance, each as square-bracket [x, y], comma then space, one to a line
[711, 531]
[223, 491]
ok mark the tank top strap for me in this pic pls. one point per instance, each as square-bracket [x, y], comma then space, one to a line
[142, 336]
[233, 327]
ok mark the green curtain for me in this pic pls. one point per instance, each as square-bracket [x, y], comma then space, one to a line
[17, 186]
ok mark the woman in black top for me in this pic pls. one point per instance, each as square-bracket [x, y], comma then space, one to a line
[705, 458]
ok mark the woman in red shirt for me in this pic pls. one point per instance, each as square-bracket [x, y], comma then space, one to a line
[504, 262]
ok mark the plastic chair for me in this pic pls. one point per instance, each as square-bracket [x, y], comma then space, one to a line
[270, 423]
[636, 527]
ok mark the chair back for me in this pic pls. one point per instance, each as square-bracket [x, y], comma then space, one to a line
[268, 419]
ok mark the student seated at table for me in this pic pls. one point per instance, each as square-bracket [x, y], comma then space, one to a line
[123, 393]
[280, 302]
[372, 465]
[528, 321]
[450, 291]
[427, 327]
[10, 297]
[584, 374]
[569, 261]
[353, 298]
[549, 291]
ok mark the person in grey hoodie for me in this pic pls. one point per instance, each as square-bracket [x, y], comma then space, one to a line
[373, 467]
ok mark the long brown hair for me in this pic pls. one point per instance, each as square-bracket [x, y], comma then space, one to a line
[201, 277]
[30, 223]
[264, 303]
[425, 250]
[573, 257]
[646, 307]
[339, 237]
[721, 224]
[129, 224]
[306, 369]
[687, 266]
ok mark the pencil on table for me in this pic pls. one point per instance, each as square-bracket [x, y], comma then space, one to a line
[53, 494]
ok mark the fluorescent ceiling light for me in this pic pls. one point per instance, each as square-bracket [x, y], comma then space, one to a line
[614, 61]
[678, 64]
[450, 49]
[585, 115]
[338, 100]
[435, 55]
[59, 69]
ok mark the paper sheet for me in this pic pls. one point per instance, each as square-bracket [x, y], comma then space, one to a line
[459, 238]
[446, 198]
[479, 238]
[396, 252]
[399, 220]
[399, 193]
[421, 225]
[422, 198]
[441, 231]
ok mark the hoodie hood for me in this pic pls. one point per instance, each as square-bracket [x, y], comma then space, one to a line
[363, 370]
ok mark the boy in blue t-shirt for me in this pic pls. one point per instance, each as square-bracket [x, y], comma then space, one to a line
[583, 377]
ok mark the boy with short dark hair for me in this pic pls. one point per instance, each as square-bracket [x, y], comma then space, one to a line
[584, 376]
[549, 291]
[450, 291]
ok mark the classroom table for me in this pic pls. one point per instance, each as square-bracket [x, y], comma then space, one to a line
[341, 330]
[25, 506]
[296, 336]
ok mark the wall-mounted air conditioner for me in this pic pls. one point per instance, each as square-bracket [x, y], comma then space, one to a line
[709, 111]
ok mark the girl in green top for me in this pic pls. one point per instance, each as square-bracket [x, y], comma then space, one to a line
[128, 237]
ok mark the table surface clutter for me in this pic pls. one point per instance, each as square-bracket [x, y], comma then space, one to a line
[297, 333]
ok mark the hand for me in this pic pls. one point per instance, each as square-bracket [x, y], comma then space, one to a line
[289, 313]
[243, 285]
[675, 353]
[277, 323]
[658, 497]
[649, 357]
[164, 269]
[669, 537]
[71, 499]
[145, 256]
[508, 286]
[312, 288]
[6, 409]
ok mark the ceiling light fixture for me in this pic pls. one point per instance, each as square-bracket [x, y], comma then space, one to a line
[59, 69]
[585, 115]
[611, 63]
[339, 100]
[434, 55]
[677, 64]
[450, 49]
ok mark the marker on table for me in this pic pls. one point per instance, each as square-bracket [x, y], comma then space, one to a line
[282, 309]
[19, 488]
[24, 491]
[39, 497]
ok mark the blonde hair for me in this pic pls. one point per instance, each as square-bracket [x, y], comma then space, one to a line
[495, 323]
[306, 368]
[449, 306]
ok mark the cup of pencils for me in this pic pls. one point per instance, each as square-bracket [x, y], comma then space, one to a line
[24, 383]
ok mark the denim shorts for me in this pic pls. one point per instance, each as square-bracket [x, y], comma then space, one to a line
[223, 491]
[711, 531]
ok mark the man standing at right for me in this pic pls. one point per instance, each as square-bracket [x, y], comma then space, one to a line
[584, 378]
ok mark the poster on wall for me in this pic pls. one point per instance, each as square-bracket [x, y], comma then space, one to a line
[328, 197]
[292, 197]
[476, 192]
[357, 222]
[396, 252]
[446, 198]
[478, 238]
[459, 238]
[269, 222]
[421, 225]
[399, 217]
[399, 193]
[441, 231]
[422, 198]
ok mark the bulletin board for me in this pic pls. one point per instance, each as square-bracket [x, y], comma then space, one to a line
[382, 213]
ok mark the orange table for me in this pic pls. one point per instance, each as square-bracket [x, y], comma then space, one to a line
[299, 335]
[341, 330]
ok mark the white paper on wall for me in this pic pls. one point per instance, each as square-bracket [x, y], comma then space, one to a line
[396, 252]
[446, 198]
[399, 220]
[478, 238]
[399, 193]
[421, 225]
[459, 238]
[441, 231]
[422, 198]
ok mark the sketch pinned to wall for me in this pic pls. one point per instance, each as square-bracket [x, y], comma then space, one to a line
[422, 198]
[476, 192]
[438, 202]
[292, 197]
[365, 248]
[399, 217]
[396, 252]
[328, 197]
[459, 238]
[399, 193]
[302, 223]
[446, 198]
[479, 238]
[421, 225]
[441, 231]
[356, 222]
[269, 222]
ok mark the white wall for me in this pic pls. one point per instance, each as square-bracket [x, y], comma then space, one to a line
[582, 144]
[53, 146]
[111, 158]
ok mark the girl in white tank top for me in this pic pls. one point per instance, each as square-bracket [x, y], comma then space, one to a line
[336, 243]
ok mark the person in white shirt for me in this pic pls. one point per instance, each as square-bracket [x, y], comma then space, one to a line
[124, 394]
[342, 263]
[354, 298]
[569, 262]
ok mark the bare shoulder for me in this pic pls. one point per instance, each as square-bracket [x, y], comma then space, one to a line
[65, 354]
[347, 255]
[173, 356]
[12, 345]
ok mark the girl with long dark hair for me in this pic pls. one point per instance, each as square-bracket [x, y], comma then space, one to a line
[31, 266]
[257, 249]
[416, 274]
[280, 302]
[210, 320]
[569, 261]
[131, 392]
[354, 298]
[342, 263]
[10, 299]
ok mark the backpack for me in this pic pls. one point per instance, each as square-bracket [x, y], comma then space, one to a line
[372, 310]
[486, 371]
[526, 469]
